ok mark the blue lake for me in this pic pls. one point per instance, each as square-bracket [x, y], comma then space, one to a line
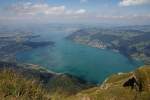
[86, 62]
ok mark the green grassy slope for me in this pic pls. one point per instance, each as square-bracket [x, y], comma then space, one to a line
[31, 82]
[15, 86]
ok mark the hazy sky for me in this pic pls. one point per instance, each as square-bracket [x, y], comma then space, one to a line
[80, 11]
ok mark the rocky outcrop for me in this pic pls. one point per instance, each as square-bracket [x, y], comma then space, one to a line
[133, 83]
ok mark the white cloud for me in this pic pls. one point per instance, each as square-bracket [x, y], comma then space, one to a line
[110, 17]
[76, 12]
[42, 9]
[122, 17]
[80, 11]
[133, 2]
[33, 9]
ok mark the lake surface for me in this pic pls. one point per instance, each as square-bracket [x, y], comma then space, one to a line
[86, 62]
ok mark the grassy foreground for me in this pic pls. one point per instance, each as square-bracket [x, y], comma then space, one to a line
[14, 86]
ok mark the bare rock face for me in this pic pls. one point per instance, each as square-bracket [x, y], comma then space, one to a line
[133, 83]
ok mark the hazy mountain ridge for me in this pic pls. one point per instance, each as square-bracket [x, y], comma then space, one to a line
[130, 41]
[13, 42]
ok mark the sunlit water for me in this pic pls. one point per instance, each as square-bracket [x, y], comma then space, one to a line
[86, 62]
